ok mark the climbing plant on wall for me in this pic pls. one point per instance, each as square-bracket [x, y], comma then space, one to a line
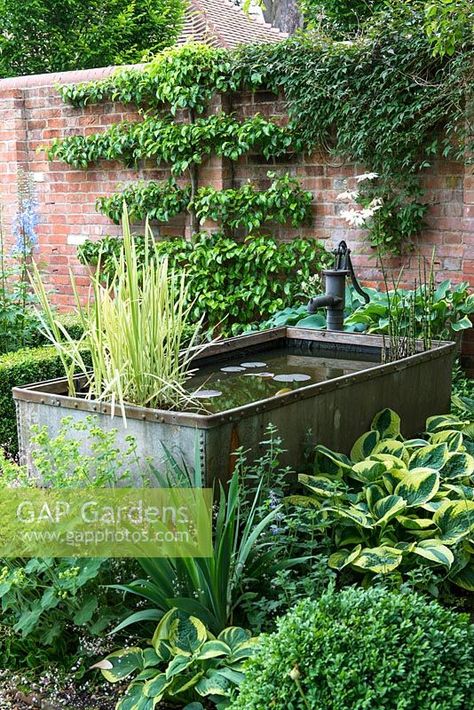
[186, 79]
[383, 99]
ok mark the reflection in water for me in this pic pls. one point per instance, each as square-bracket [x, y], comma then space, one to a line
[230, 384]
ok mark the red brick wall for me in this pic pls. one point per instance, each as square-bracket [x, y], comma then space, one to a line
[32, 113]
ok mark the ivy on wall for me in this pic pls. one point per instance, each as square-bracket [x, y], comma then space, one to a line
[382, 100]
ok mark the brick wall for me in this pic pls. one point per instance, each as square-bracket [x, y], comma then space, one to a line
[32, 113]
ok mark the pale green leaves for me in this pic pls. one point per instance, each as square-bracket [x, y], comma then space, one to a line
[399, 503]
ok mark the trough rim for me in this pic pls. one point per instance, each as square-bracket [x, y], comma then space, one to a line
[48, 392]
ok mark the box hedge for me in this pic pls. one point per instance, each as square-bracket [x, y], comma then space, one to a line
[21, 368]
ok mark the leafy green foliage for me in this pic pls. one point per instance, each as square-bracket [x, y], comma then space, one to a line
[17, 369]
[179, 144]
[184, 77]
[338, 17]
[396, 503]
[43, 36]
[249, 208]
[184, 663]
[363, 648]
[153, 200]
[43, 599]
[449, 24]
[230, 282]
[211, 589]
[449, 312]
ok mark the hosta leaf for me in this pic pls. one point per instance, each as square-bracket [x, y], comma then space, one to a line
[387, 423]
[418, 486]
[432, 505]
[330, 463]
[182, 684]
[457, 465]
[415, 443]
[387, 508]
[458, 491]
[373, 493]
[303, 501]
[380, 560]
[415, 523]
[443, 421]
[390, 461]
[213, 649]
[465, 577]
[393, 447]
[234, 637]
[455, 519]
[453, 439]
[368, 471]
[340, 559]
[187, 634]
[432, 456]
[364, 446]
[155, 687]
[213, 684]
[135, 699]
[120, 664]
[353, 514]
[322, 485]
[435, 551]
[178, 665]
[348, 535]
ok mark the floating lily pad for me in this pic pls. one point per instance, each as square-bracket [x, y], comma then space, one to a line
[296, 377]
[206, 394]
[259, 374]
[252, 364]
[232, 368]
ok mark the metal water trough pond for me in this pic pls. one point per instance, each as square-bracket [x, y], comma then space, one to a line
[335, 411]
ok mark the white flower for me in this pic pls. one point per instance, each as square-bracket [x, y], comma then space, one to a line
[354, 217]
[347, 196]
[366, 176]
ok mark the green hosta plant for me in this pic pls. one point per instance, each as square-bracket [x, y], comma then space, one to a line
[184, 663]
[396, 503]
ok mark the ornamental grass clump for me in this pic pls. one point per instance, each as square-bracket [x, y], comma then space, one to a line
[363, 650]
[137, 328]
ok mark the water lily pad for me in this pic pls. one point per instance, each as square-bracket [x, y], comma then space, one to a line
[232, 368]
[248, 365]
[296, 377]
[206, 394]
[259, 374]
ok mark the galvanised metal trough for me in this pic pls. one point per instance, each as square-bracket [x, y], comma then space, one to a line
[340, 384]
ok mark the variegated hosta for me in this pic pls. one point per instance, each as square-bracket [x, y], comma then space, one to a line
[185, 662]
[396, 503]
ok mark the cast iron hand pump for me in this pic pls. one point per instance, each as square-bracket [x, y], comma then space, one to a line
[335, 297]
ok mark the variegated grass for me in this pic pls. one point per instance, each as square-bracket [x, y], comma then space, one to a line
[139, 332]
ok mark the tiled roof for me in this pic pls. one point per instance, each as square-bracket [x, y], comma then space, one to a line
[221, 23]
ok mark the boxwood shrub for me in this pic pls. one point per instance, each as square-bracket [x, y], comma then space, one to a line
[21, 368]
[364, 650]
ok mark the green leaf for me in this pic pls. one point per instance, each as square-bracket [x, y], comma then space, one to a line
[315, 322]
[418, 486]
[387, 423]
[387, 508]
[435, 551]
[432, 456]
[380, 560]
[213, 684]
[393, 447]
[458, 465]
[444, 421]
[121, 664]
[213, 649]
[463, 324]
[465, 577]
[369, 471]
[155, 687]
[364, 446]
[340, 559]
[455, 519]
[187, 635]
